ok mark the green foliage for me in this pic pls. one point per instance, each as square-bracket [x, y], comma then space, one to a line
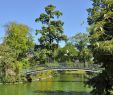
[42, 55]
[55, 64]
[44, 75]
[101, 37]
[67, 53]
[14, 52]
[81, 42]
[18, 38]
[7, 62]
[85, 55]
[51, 31]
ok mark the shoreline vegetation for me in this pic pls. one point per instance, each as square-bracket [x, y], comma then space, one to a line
[48, 74]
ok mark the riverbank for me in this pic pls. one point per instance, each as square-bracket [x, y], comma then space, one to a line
[46, 75]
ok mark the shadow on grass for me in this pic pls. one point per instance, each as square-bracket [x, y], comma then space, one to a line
[60, 93]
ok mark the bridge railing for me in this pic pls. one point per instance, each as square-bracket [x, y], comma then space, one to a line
[75, 66]
[79, 66]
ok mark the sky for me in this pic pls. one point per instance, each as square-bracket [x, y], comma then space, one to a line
[26, 11]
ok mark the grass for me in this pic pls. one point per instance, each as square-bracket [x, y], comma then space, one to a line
[79, 72]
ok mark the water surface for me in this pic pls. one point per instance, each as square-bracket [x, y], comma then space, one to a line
[64, 84]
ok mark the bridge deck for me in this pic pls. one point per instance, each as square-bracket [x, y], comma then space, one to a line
[65, 69]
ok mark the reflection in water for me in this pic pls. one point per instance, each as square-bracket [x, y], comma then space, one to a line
[61, 93]
[64, 84]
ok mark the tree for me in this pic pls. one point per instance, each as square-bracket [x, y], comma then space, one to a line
[51, 30]
[100, 20]
[68, 53]
[81, 42]
[14, 52]
[18, 38]
[7, 62]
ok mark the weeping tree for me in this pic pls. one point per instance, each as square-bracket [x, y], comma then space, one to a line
[100, 20]
[51, 31]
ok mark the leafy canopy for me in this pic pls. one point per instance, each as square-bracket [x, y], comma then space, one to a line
[100, 20]
[18, 38]
[51, 30]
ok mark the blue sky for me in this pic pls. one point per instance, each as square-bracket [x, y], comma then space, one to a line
[25, 11]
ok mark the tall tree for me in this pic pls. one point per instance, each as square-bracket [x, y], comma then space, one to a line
[18, 37]
[100, 20]
[14, 50]
[51, 31]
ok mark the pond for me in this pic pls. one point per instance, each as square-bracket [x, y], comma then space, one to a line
[63, 84]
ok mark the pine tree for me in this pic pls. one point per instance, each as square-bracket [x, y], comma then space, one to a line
[51, 31]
